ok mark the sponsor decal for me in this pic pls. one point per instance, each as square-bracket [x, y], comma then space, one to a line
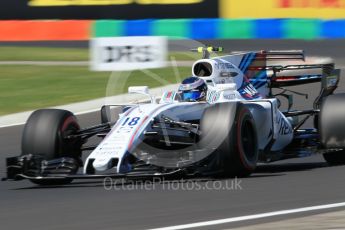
[284, 126]
[325, 9]
[223, 65]
[311, 3]
[113, 9]
[169, 96]
[212, 96]
[229, 96]
[249, 89]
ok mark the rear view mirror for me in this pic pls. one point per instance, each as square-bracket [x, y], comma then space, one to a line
[144, 90]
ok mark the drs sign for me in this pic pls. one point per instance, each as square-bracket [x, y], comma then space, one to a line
[128, 53]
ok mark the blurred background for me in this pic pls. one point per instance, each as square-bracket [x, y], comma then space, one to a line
[44, 44]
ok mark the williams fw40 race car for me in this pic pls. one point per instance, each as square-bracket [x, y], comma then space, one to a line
[221, 121]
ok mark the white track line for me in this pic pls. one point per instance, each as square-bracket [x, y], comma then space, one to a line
[11, 125]
[252, 217]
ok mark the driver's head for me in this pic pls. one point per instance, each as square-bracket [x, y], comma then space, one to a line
[193, 89]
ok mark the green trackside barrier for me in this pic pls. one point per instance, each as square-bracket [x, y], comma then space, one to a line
[224, 28]
[236, 29]
[173, 28]
[108, 28]
[301, 28]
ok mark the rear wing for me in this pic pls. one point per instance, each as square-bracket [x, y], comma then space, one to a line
[262, 55]
[291, 75]
[271, 55]
[283, 55]
[328, 76]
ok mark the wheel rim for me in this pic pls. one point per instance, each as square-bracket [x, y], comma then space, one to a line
[69, 126]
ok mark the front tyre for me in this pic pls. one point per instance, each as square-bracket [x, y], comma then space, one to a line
[229, 130]
[44, 134]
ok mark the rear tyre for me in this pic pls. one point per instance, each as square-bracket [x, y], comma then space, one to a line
[335, 158]
[228, 129]
[43, 135]
[331, 125]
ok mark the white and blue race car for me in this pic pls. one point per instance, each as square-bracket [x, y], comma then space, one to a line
[222, 120]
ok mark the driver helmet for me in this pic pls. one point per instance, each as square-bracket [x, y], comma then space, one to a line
[193, 89]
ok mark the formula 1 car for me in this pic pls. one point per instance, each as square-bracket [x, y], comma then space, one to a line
[238, 125]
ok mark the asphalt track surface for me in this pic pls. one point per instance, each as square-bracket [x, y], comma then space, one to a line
[277, 186]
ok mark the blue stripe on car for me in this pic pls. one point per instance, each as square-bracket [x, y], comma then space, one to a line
[242, 61]
[248, 61]
[259, 79]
